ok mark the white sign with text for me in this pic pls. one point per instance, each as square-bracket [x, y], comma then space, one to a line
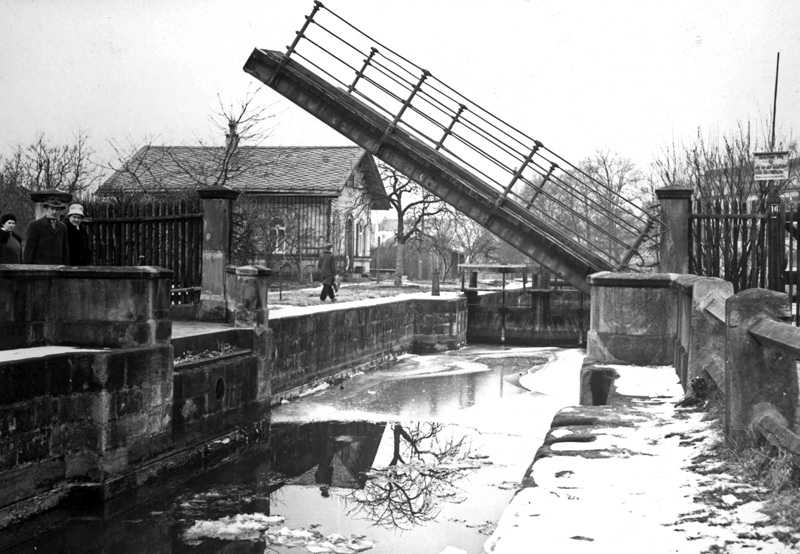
[769, 166]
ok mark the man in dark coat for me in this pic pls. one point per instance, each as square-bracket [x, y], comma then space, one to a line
[46, 239]
[327, 268]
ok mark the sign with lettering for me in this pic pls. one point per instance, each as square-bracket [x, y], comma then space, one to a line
[768, 166]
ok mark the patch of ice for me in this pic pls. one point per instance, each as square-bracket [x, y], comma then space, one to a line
[313, 390]
[453, 550]
[238, 527]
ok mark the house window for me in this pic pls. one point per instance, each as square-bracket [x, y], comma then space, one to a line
[360, 239]
[277, 235]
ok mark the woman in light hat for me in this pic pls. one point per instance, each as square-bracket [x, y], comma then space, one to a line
[77, 237]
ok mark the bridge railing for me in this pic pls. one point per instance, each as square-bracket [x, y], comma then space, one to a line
[521, 169]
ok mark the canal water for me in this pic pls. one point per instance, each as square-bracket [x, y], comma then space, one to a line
[422, 457]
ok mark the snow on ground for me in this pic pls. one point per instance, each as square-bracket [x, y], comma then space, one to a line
[641, 488]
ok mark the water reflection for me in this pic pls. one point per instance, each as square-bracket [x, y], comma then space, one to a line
[392, 478]
[325, 453]
[394, 475]
[426, 464]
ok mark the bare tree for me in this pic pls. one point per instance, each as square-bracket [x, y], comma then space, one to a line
[425, 466]
[719, 170]
[156, 168]
[45, 165]
[619, 179]
[413, 206]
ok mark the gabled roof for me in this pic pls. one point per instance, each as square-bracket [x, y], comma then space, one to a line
[278, 170]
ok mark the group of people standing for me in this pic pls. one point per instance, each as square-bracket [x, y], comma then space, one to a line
[48, 239]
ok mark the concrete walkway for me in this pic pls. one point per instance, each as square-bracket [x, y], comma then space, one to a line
[633, 477]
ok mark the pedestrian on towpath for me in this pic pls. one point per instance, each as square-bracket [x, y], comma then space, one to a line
[46, 239]
[327, 268]
[77, 237]
[10, 242]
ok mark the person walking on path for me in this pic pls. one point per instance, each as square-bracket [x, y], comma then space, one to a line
[327, 268]
[46, 239]
[77, 237]
[10, 242]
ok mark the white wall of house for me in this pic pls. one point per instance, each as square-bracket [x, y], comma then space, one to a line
[352, 210]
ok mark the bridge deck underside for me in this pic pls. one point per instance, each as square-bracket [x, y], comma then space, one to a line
[461, 189]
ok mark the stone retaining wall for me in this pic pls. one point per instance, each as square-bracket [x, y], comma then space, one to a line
[52, 305]
[320, 345]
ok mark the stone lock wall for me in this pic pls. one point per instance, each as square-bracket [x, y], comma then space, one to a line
[212, 396]
[322, 344]
[82, 419]
[91, 423]
[91, 405]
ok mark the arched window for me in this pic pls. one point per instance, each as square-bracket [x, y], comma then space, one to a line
[360, 239]
[277, 235]
[349, 242]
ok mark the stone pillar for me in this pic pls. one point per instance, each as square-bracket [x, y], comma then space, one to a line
[540, 301]
[676, 204]
[472, 294]
[756, 374]
[633, 318]
[40, 196]
[247, 288]
[435, 283]
[217, 211]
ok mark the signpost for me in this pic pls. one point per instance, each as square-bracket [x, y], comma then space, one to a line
[771, 166]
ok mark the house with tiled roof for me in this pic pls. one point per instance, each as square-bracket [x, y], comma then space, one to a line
[293, 199]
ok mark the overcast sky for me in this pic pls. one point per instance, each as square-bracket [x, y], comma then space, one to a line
[628, 76]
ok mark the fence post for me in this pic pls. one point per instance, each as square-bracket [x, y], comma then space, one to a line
[676, 205]
[775, 242]
[217, 220]
[754, 373]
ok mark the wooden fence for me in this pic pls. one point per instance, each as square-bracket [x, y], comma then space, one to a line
[751, 245]
[159, 232]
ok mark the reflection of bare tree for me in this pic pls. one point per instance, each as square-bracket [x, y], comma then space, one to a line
[426, 463]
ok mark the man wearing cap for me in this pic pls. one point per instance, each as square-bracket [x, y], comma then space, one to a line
[77, 237]
[327, 269]
[46, 239]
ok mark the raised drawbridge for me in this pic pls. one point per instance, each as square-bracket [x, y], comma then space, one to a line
[499, 176]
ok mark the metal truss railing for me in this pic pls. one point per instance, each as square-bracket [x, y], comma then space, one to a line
[520, 168]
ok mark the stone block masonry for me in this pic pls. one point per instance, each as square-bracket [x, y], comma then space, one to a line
[320, 345]
[633, 318]
[80, 417]
[95, 414]
[91, 404]
[122, 307]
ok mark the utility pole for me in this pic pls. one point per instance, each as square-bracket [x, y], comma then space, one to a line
[771, 184]
[775, 104]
